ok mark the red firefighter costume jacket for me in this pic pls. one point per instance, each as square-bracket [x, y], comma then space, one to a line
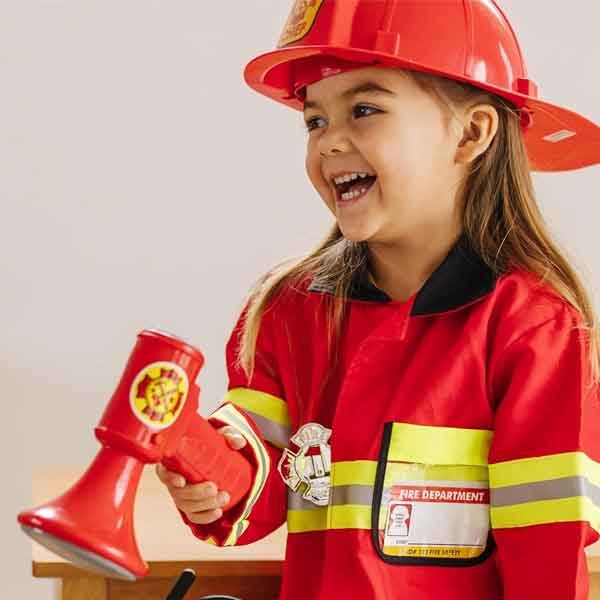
[460, 417]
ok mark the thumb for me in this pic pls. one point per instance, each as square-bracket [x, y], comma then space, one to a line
[233, 437]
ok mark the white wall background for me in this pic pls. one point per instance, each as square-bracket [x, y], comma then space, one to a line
[142, 184]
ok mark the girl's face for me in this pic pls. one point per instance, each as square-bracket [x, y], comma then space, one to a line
[400, 137]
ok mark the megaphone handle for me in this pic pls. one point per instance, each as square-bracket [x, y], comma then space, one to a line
[203, 454]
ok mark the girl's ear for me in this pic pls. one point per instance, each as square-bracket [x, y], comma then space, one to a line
[480, 125]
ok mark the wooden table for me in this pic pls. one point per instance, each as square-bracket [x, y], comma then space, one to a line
[250, 572]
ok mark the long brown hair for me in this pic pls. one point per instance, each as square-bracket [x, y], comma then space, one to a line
[501, 219]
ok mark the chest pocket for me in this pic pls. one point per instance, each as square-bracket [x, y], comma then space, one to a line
[431, 498]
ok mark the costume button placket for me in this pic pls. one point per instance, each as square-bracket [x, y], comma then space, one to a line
[388, 332]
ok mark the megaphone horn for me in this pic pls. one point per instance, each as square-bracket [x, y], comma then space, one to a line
[150, 418]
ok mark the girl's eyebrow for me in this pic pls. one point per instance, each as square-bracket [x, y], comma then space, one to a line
[368, 87]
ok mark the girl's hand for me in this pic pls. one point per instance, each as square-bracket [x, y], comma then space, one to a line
[200, 502]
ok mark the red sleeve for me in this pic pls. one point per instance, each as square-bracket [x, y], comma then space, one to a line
[544, 474]
[257, 409]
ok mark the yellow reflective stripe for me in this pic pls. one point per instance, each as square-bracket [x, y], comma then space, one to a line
[439, 445]
[362, 472]
[307, 520]
[228, 414]
[265, 405]
[399, 472]
[353, 472]
[350, 516]
[346, 516]
[543, 468]
[561, 510]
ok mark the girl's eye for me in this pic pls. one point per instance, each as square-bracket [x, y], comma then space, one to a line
[357, 111]
[312, 123]
[360, 107]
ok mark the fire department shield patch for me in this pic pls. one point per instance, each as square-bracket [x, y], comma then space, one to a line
[300, 21]
[308, 470]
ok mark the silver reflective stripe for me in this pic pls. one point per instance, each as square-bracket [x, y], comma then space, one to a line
[278, 435]
[566, 487]
[297, 502]
[352, 494]
[342, 494]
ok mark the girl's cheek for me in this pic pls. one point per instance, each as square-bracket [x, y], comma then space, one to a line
[312, 174]
[313, 169]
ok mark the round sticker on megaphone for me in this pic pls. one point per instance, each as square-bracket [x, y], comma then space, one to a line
[158, 394]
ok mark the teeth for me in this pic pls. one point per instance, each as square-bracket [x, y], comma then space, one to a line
[349, 177]
[354, 194]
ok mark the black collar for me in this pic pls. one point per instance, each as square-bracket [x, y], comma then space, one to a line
[460, 279]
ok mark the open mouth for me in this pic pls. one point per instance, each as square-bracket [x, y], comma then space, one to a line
[354, 189]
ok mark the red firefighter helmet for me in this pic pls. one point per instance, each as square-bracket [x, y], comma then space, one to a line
[465, 40]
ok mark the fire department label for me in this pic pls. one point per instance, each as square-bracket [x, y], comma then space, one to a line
[300, 21]
[437, 519]
[308, 470]
[158, 394]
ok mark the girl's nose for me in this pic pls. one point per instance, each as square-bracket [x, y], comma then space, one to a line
[333, 140]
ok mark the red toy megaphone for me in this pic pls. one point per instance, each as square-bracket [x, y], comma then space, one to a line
[152, 417]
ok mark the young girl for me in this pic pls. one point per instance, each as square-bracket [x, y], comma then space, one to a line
[419, 395]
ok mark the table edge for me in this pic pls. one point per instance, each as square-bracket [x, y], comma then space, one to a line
[205, 568]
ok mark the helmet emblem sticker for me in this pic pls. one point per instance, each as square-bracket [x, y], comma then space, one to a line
[158, 394]
[300, 21]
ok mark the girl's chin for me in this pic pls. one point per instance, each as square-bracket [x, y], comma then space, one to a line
[353, 234]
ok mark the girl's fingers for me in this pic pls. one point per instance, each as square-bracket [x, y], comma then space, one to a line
[196, 492]
[202, 502]
[208, 504]
[204, 518]
[169, 478]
